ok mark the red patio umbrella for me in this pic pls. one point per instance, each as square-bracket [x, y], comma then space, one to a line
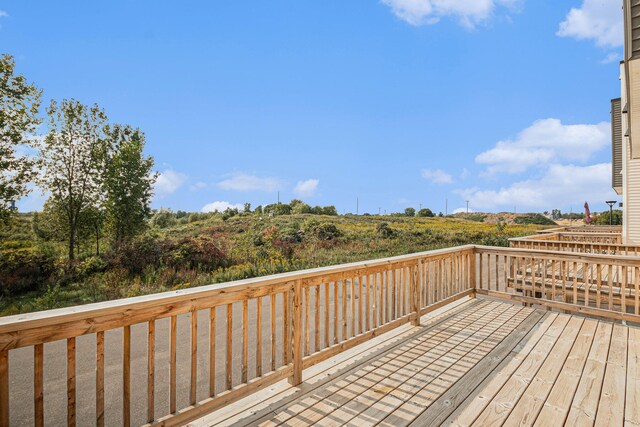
[587, 214]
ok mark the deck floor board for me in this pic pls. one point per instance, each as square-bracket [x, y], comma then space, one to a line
[485, 363]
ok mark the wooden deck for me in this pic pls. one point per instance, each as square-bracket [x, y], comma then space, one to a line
[479, 362]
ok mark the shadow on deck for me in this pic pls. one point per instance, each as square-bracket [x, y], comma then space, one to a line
[474, 362]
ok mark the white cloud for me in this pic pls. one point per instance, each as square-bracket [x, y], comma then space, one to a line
[598, 20]
[3, 14]
[468, 12]
[462, 210]
[198, 186]
[436, 176]
[560, 187]
[221, 206]
[244, 182]
[169, 182]
[306, 188]
[546, 141]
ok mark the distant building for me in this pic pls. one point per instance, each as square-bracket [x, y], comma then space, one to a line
[625, 126]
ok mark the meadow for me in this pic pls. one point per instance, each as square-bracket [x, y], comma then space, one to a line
[198, 249]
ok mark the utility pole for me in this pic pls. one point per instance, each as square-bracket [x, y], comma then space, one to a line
[278, 197]
[467, 207]
[420, 206]
[446, 207]
[379, 211]
[357, 205]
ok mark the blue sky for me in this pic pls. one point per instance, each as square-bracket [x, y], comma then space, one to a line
[398, 103]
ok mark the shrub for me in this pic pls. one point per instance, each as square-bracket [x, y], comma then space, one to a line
[425, 212]
[384, 230]
[198, 253]
[533, 219]
[321, 230]
[24, 270]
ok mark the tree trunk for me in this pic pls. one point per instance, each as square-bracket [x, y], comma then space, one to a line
[72, 243]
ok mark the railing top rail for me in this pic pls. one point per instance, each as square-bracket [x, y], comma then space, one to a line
[559, 255]
[182, 301]
[557, 234]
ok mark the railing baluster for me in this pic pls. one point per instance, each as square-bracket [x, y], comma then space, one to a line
[286, 328]
[610, 285]
[245, 340]
[306, 290]
[259, 337]
[229, 348]
[126, 376]
[71, 381]
[623, 290]
[360, 315]
[586, 273]
[344, 309]
[353, 306]
[194, 357]
[100, 379]
[212, 350]
[272, 312]
[172, 363]
[151, 345]
[575, 282]
[316, 322]
[327, 306]
[38, 384]
[335, 312]
[370, 315]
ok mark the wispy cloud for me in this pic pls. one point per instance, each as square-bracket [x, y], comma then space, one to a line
[436, 176]
[169, 181]
[597, 20]
[612, 57]
[306, 188]
[244, 182]
[198, 186]
[545, 141]
[3, 14]
[469, 13]
[221, 206]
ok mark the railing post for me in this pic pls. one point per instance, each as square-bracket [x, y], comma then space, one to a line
[296, 335]
[474, 273]
[415, 295]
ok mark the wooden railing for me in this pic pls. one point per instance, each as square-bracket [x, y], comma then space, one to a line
[584, 229]
[600, 285]
[579, 247]
[249, 334]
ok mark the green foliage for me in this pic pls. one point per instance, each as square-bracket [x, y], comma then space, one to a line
[163, 218]
[425, 212]
[128, 184]
[384, 230]
[602, 218]
[533, 219]
[475, 217]
[73, 156]
[19, 105]
[24, 270]
[321, 230]
[410, 212]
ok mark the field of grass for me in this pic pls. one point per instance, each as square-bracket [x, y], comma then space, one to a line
[215, 250]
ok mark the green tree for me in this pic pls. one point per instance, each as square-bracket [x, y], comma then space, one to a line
[410, 212]
[19, 105]
[425, 212]
[330, 210]
[73, 156]
[128, 184]
[300, 208]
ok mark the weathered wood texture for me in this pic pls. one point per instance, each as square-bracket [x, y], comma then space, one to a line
[312, 315]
